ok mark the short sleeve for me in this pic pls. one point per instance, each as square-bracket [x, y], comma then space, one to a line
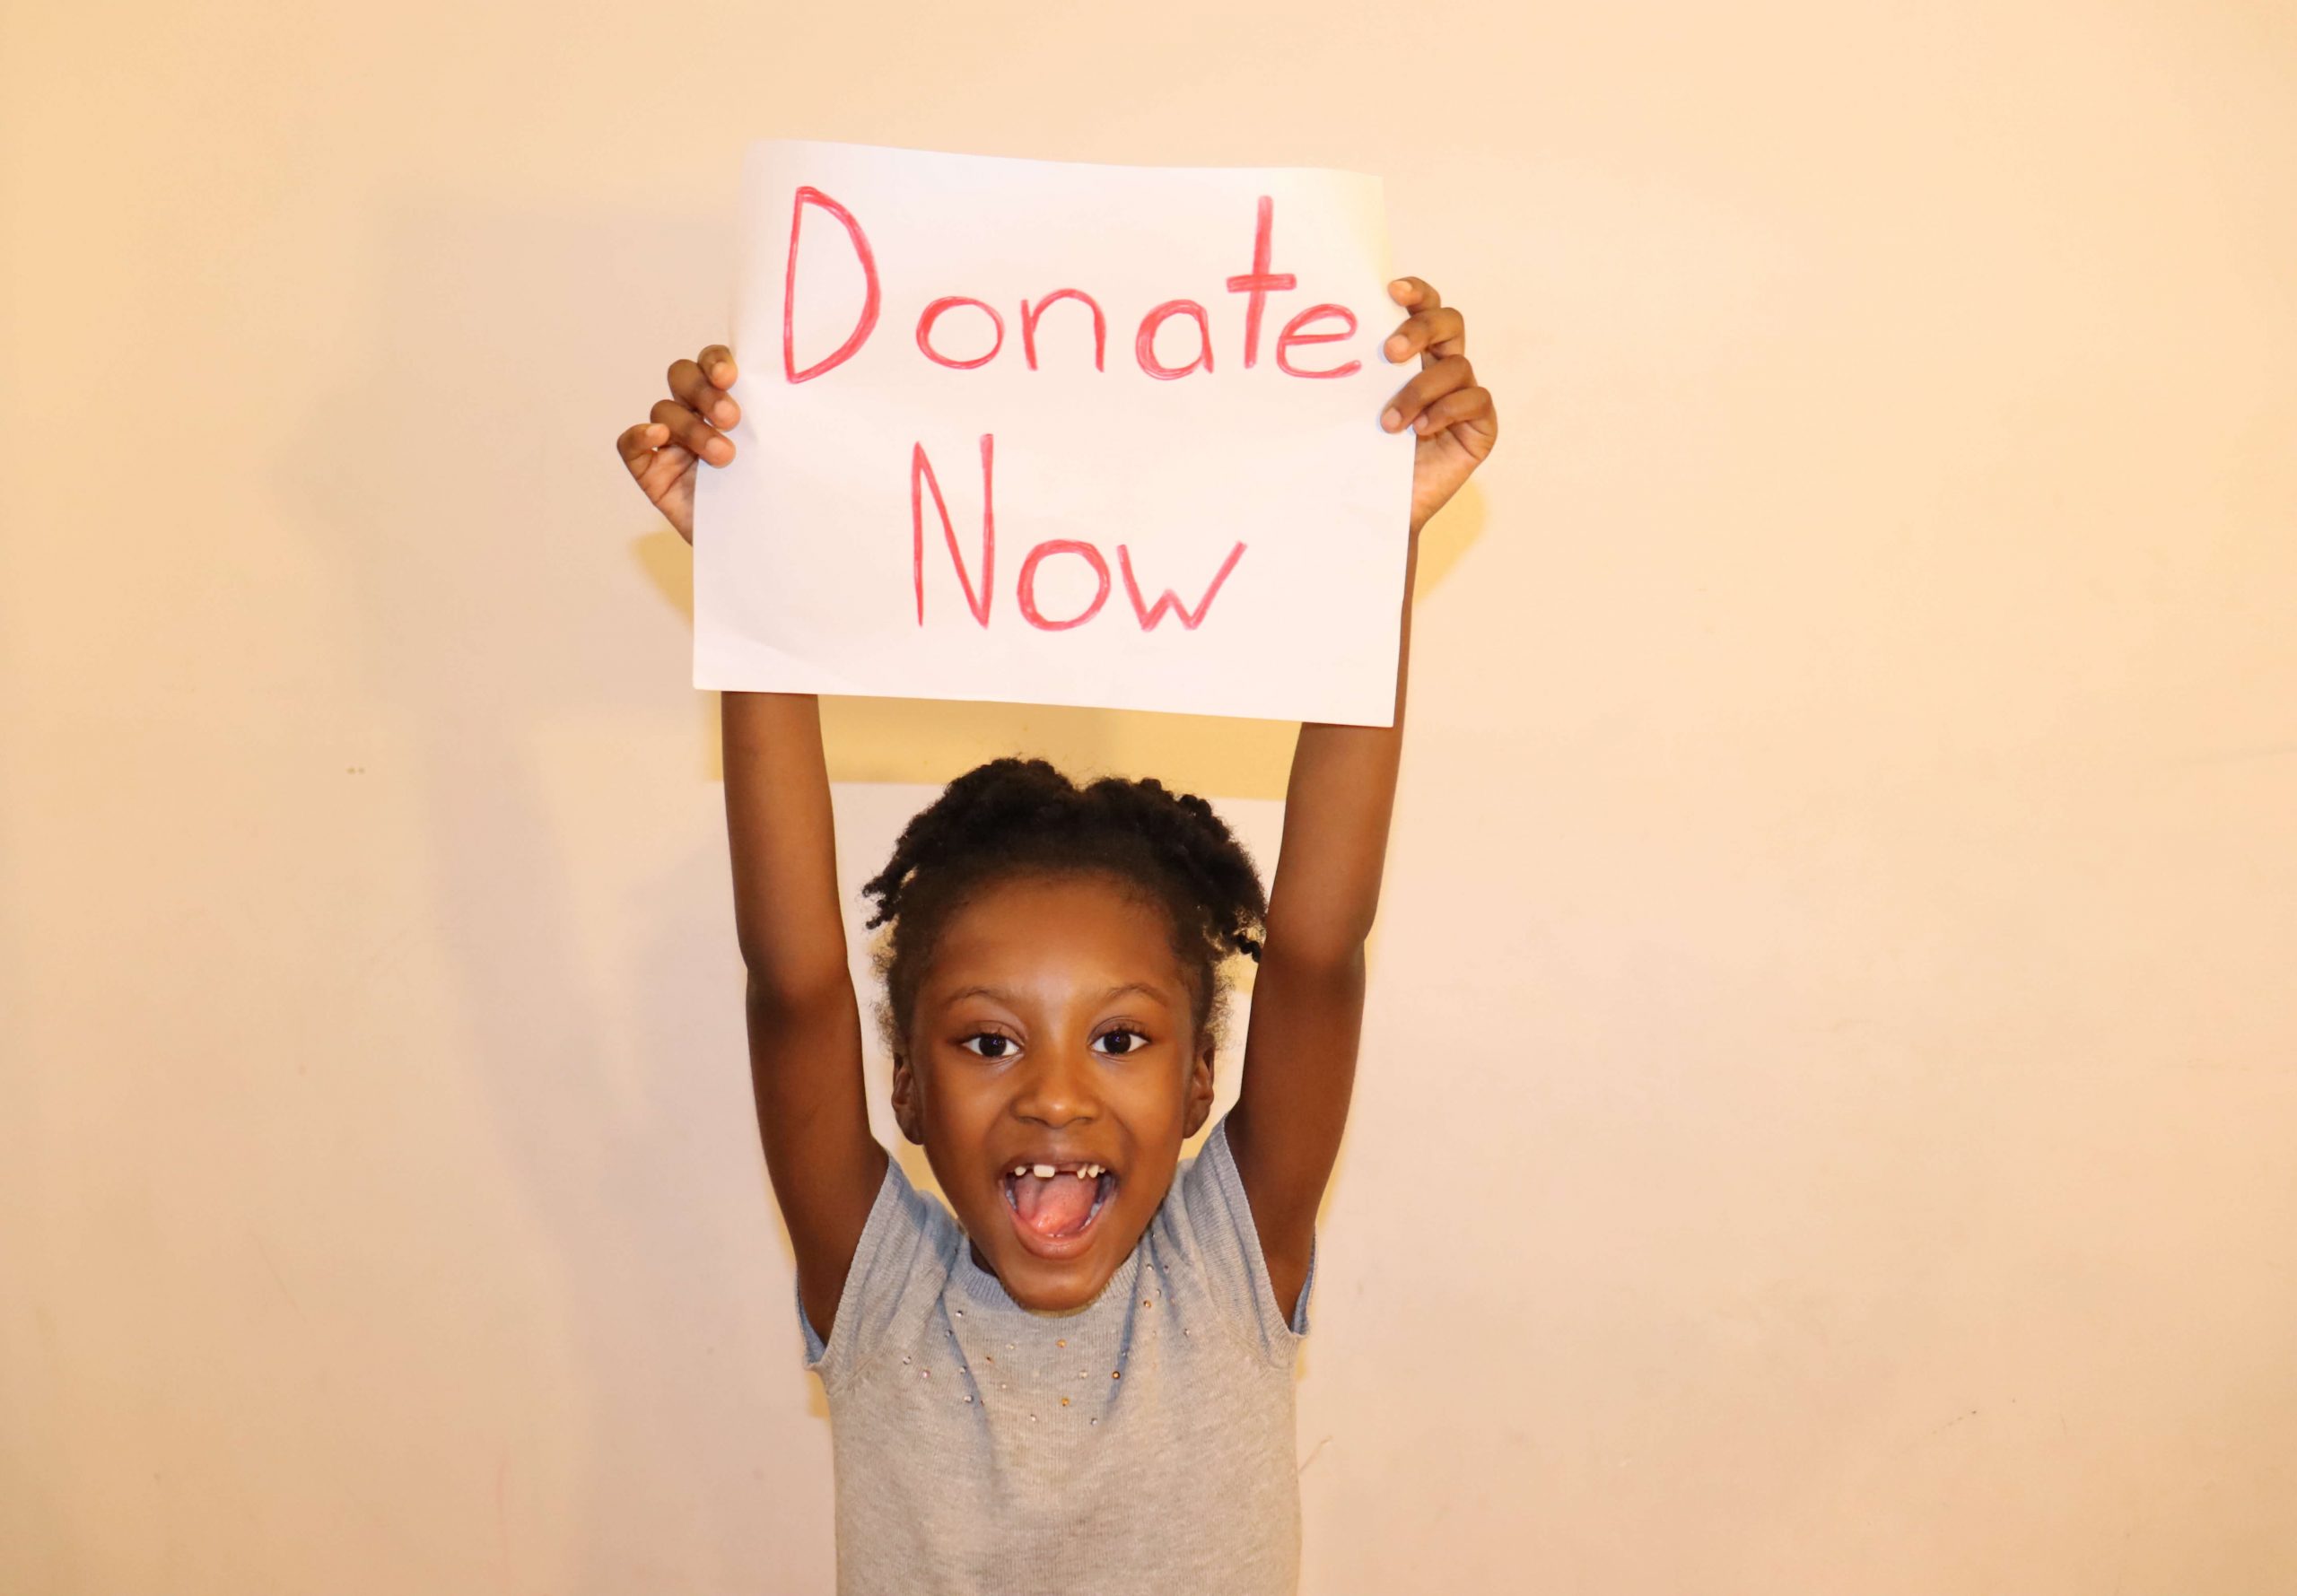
[900, 1252]
[1217, 1219]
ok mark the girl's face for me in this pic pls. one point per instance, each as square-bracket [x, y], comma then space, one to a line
[1053, 1029]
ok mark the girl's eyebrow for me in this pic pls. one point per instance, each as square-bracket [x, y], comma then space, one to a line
[999, 995]
[995, 994]
[1142, 987]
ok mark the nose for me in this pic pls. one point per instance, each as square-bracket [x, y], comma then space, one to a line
[1059, 1090]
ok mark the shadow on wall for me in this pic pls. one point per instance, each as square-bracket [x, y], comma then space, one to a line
[458, 468]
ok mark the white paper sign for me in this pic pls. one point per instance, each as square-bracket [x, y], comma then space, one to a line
[1051, 433]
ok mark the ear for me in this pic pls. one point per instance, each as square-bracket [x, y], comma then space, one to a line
[906, 1112]
[1199, 1085]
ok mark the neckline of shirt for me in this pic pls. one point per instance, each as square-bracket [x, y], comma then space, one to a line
[985, 1289]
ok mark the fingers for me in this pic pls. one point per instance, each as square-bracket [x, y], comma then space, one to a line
[700, 386]
[1470, 405]
[1438, 335]
[702, 406]
[661, 451]
[1414, 294]
[637, 444]
[1414, 401]
[691, 432]
[1431, 333]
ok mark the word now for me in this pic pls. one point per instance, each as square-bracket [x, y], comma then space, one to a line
[1258, 284]
[979, 600]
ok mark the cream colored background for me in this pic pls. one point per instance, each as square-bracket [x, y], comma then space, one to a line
[1827, 1105]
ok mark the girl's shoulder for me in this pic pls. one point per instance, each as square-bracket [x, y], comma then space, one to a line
[902, 1265]
[1203, 1239]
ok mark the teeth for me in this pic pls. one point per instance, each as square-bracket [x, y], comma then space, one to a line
[1020, 1169]
[1044, 1172]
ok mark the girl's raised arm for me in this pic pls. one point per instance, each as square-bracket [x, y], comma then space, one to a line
[805, 1025]
[1307, 1006]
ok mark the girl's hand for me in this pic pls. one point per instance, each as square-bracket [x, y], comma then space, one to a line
[1454, 418]
[661, 453]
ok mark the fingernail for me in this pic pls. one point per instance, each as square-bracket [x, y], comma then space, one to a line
[1420, 422]
[1392, 419]
[1396, 348]
[725, 411]
[1399, 286]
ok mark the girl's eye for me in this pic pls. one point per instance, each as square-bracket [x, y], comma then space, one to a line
[1122, 1042]
[992, 1045]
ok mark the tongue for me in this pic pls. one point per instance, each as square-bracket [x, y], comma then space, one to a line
[1054, 1207]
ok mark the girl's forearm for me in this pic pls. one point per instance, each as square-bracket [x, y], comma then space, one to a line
[782, 843]
[1337, 808]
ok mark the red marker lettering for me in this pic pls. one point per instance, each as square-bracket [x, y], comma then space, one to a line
[921, 475]
[1027, 587]
[1029, 315]
[1292, 334]
[933, 314]
[1190, 619]
[1260, 280]
[1144, 347]
[854, 340]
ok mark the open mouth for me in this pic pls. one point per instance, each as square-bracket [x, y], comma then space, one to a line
[1056, 1205]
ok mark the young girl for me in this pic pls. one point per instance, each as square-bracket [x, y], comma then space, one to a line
[1081, 1380]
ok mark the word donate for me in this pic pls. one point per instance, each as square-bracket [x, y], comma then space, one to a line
[1050, 432]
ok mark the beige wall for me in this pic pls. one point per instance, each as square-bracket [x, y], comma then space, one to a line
[1827, 1105]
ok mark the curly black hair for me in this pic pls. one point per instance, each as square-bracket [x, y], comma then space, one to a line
[1022, 816]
